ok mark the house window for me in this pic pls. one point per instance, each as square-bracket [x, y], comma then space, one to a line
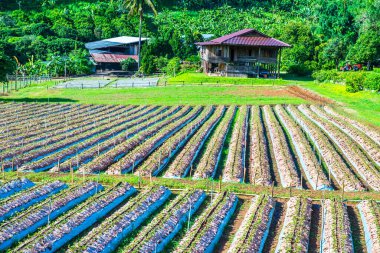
[250, 52]
[218, 51]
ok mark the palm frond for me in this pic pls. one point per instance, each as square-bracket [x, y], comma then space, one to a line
[151, 5]
[135, 6]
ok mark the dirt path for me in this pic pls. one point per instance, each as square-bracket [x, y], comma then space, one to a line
[316, 228]
[272, 161]
[276, 226]
[356, 229]
[233, 226]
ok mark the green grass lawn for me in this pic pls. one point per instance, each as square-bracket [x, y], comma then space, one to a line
[203, 79]
[162, 95]
[363, 106]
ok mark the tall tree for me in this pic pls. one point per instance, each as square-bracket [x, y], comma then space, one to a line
[136, 7]
[7, 66]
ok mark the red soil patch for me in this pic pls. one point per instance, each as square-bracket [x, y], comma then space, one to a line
[308, 95]
[260, 91]
[276, 91]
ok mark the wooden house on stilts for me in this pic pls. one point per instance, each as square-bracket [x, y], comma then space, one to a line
[246, 53]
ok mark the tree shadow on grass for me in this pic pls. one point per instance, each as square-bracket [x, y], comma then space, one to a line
[291, 77]
[37, 100]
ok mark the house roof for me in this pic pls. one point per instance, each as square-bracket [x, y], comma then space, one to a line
[123, 40]
[246, 37]
[112, 58]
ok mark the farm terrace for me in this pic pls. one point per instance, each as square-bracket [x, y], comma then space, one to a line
[304, 147]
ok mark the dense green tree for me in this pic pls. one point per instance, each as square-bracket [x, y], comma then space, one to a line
[323, 34]
[334, 51]
[7, 66]
[366, 49]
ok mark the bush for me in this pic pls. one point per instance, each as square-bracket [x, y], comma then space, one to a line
[326, 76]
[355, 82]
[173, 66]
[161, 63]
[194, 59]
[129, 64]
[372, 81]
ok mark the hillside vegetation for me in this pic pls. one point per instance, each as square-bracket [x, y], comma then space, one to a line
[324, 34]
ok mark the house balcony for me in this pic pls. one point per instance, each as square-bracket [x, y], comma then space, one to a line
[257, 59]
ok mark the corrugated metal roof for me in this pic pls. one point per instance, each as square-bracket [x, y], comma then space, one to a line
[246, 37]
[112, 58]
[117, 41]
[256, 41]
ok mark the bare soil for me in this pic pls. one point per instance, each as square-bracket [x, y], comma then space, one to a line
[276, 226]
[308, 95]
[316, 228]
[233, 226]
[357, 230]
[278, 91]
[261, 91]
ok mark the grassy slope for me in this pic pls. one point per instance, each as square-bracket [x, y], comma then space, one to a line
[168, 95]
[363, 106]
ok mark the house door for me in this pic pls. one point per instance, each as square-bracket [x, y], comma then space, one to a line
[232, 54]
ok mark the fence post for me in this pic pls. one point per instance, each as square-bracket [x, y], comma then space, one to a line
[82, 86]
[272, 189]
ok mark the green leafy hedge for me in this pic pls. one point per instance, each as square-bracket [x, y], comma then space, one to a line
[355, 81]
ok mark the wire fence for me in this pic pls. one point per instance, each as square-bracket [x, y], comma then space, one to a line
[99, 83]
[16, 82]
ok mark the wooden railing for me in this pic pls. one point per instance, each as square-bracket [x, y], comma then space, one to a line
[256, 59]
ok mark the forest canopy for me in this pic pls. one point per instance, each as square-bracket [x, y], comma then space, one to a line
[324, 34]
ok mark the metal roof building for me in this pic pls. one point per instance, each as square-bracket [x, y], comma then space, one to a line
[107, 54]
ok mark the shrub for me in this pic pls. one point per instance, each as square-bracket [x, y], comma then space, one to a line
[129, 64]
[173, 66]
[355, 81]
[161, 63]
[372, 81]
[326, 76]
[194, 59]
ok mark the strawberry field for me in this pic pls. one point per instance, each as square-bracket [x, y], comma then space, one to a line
[305, 147]
[300, 147]
[89, 217]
